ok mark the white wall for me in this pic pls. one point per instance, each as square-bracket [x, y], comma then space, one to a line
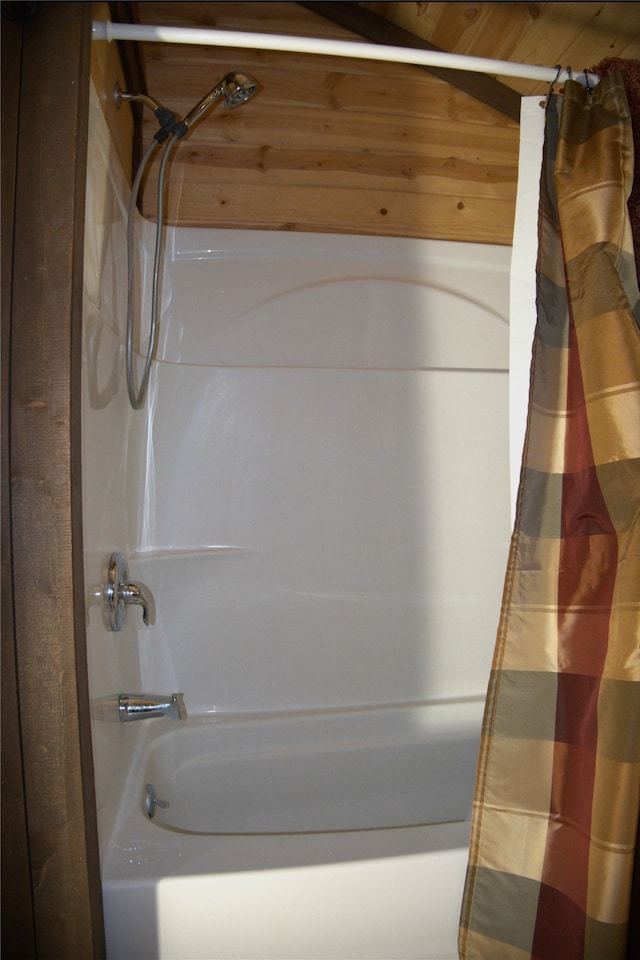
[326, 470]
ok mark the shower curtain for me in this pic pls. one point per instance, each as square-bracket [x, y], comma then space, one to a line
[557, 798]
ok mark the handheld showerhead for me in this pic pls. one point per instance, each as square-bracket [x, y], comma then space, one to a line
[236, 88]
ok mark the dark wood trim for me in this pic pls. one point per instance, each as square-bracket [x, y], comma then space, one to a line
[18, 933]
[133, 70]
[45, 509]
[378, 30]
[130, 55]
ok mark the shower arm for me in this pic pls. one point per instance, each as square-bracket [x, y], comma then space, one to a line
[166, 118]
[144, 98]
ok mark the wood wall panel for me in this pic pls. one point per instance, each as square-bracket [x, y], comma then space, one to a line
[46, 512]
[330, 143]
[18, 927]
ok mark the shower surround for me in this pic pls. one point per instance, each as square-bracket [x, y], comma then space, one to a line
[317, 496]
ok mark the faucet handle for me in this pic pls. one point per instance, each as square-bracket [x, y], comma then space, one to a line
[139, 594]
[117, 593]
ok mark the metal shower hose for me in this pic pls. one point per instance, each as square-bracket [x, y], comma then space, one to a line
[137, 397]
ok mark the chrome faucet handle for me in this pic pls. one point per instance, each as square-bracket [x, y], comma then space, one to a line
[140, 595]
[117, 593]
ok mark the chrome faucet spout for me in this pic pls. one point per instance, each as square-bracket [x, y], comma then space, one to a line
[141, 706]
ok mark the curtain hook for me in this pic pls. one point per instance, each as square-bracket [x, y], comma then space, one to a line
[545, 103]
[586, 82]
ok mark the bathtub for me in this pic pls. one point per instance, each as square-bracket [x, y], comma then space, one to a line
[332, 771]
[338, 834]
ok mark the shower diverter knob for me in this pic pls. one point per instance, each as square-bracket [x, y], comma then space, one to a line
[118, 593]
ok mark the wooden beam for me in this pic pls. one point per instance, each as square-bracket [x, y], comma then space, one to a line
[378, 30]
[46, 510]
[18, 933]
[135, 80]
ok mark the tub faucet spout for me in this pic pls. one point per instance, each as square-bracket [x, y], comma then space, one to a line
[139, 706]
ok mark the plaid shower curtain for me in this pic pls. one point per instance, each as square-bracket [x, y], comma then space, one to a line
[557, 797]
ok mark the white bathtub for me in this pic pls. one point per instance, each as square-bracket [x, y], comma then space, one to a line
[334, 835]
[304, 773]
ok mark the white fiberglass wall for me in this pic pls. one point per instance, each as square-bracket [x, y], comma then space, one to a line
[324, 500]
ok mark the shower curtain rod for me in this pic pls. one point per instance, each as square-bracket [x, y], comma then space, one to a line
[106, 30]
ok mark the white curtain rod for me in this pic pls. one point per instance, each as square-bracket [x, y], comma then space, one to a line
[106, 30]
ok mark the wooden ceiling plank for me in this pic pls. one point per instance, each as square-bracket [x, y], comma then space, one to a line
[273, 18]
[378, 30]
[567, 33]
[575, 30]
[457, 26]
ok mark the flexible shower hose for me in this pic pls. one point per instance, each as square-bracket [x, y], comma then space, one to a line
[137, 397]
